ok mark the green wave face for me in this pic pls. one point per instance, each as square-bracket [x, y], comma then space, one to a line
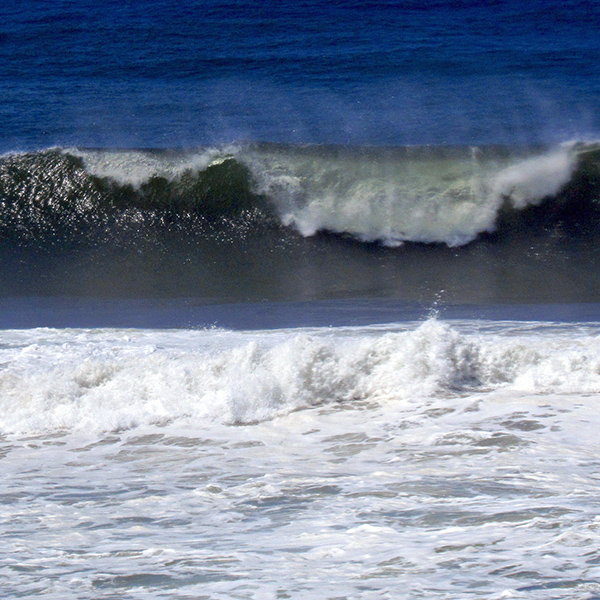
[391, 196]
[265, 221]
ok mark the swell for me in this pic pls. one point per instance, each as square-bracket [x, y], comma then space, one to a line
[50, 198]
[432, 195]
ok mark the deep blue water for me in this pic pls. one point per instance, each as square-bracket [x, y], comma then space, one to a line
[171, 74]
[412, 188]
[402, 150]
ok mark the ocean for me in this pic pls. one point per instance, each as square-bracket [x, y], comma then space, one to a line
[299, 300]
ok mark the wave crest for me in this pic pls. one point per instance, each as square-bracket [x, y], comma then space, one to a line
[53, 196]
[63, 381]
[388, 195]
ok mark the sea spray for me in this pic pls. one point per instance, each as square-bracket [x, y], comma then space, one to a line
[107, 380]
[389, 195]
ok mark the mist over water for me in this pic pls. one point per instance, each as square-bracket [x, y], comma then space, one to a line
[478, 110]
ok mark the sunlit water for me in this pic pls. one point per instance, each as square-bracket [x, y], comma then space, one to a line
[423, 459]
[459, 461]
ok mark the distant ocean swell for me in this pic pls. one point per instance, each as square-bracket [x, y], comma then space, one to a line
[432, 195]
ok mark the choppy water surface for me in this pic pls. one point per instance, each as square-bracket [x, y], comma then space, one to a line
[305, 164]
[442, 462]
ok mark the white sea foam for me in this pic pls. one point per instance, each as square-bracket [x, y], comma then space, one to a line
[429, 459]
[131, 167]
[415, 196]
[62, 380]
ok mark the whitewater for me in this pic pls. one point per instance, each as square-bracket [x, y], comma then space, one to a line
[439, 458]
[299, 300]
[391, 195]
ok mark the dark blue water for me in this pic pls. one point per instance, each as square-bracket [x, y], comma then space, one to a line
[395, 150]
[216, 166]
[172, 74]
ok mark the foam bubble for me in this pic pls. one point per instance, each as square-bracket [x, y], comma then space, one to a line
[86, 381]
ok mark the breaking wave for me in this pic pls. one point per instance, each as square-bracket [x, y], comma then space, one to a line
[440, 195]
[59, 380]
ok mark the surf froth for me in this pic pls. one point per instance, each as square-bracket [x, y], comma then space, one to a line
[58, 380]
